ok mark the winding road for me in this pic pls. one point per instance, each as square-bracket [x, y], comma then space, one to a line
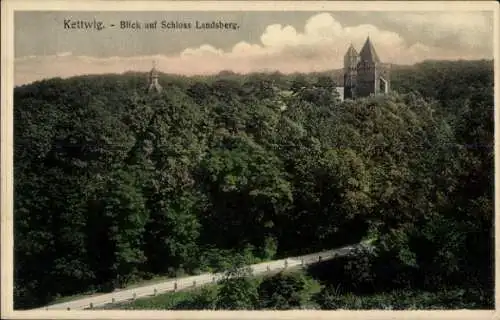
[195, 281]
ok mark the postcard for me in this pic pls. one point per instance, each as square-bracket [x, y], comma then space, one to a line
[216, 160]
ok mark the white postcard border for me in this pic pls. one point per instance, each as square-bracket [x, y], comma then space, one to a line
[6, 147]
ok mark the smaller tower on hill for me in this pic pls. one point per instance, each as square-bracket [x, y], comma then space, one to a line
[154, 85]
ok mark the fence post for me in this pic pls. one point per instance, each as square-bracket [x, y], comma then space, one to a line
[319, 258]
[213, 279]
[175, 286]
[268, 268]
[286, 263]
[302, 261]
[155, 292]
[112, 300]
[134, 296]
[91, 305]
[194, 283]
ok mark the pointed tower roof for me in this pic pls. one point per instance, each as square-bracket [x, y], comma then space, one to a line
[351, 52]
[368, 52]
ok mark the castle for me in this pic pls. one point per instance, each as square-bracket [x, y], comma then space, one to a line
[364, 73]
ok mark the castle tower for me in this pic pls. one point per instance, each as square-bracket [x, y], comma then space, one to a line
[154, 85]
[372, 75]
[351, 59]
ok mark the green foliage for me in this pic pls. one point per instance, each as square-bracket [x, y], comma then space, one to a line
[237, 290]
[118, 218]
[285, 291]
[270, 248]
[216, 172]
[206, 299]
[333, 299]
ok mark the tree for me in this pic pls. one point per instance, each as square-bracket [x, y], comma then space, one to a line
[284, 291]
[118, 219]
[237, 291]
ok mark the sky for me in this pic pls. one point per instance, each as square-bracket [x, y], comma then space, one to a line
[291, 41]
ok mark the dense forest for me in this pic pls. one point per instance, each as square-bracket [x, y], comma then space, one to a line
[114, 185]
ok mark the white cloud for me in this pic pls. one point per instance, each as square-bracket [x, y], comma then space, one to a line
[245, 49]
[470, 29]
[64, 54]
[202, 51]
[320, 46]
[277, 35]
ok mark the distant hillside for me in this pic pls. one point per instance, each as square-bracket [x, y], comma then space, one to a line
[401, 75]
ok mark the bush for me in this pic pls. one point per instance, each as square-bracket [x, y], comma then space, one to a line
[331, 298]
[237, 294]
[269, 249]
[285, 291]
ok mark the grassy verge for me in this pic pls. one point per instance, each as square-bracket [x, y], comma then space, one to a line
[170, 300]
[131, 285]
